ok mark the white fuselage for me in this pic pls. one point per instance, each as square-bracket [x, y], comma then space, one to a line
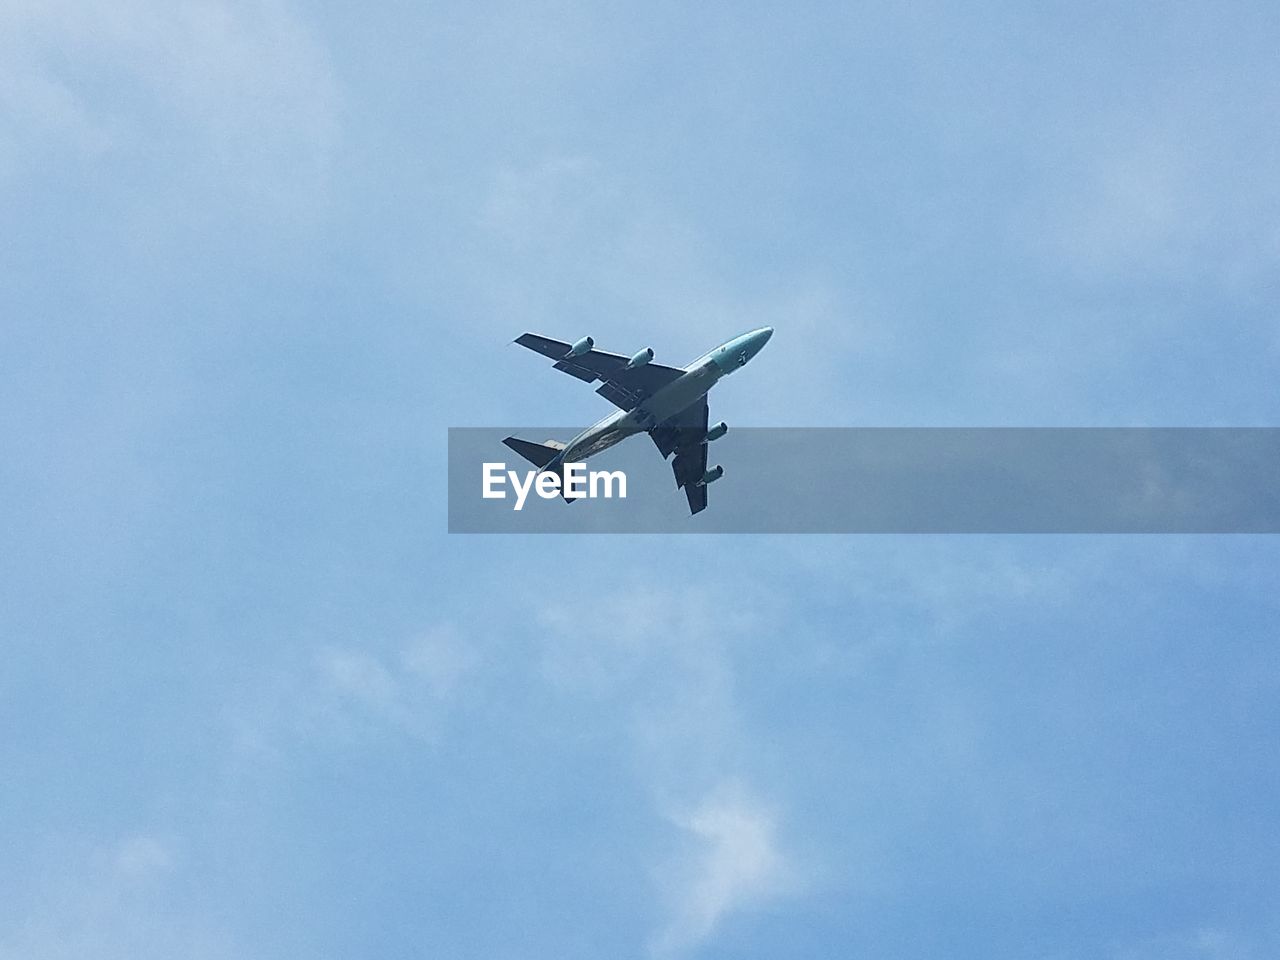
[667, 402]
[681, 393]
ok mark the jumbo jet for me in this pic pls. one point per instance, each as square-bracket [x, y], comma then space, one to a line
[668, 403]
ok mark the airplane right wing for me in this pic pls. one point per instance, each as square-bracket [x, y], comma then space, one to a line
[685, 436]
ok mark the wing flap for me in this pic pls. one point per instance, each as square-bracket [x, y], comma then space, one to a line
[620, 398]
[577, 370]
[627, 389]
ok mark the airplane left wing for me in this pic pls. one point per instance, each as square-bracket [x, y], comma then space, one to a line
[622, 387]
[684, 435]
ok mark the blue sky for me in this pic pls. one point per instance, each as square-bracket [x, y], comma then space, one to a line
[259, 256]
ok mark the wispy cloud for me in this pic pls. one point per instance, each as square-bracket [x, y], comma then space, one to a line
[238, 92]
[1143, 202]
[144, 855]
[117, 898]
[354, 694]
[1207, 942]
[735, 862]
[404, 691]
[665, 663]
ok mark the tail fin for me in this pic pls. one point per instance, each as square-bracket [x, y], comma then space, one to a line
[539, 454]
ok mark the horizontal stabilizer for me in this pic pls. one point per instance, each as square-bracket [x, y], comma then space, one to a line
[539, 454]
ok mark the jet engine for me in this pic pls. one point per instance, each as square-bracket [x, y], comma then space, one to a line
[582, 346]
[640, 359]
[712, 475]
[716, 432]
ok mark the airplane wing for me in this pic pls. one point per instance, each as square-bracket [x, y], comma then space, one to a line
[683, 435]
[622, 387]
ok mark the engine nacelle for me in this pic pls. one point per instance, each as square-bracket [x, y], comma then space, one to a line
[712, 475]
[582, 346]
[640, 359]
[716, 432]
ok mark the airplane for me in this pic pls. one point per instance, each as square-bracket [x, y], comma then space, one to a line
[668, 403]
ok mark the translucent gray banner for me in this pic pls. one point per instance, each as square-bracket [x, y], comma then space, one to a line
[903, 480]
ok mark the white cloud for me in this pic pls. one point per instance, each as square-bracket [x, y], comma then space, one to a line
[1132, 207]
[735, 863]
[233, 94]
[1175, 200]
[665, 664]
[1200, 943]
[406, 690]
[361, 678]
[345, 696]
[124, 898]
[143, 856]
[440, 660]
